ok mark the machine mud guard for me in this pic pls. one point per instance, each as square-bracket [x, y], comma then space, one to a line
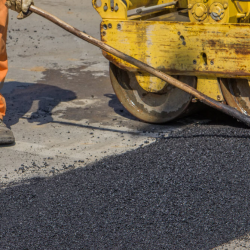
[180, 48]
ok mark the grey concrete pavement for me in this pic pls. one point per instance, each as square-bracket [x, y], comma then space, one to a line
[60, 103]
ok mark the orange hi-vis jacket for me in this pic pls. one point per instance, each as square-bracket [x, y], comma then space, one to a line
[3, 54]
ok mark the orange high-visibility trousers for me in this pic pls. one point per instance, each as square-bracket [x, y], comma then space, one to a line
[3, 54]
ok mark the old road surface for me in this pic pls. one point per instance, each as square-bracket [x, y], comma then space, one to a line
[84, 174]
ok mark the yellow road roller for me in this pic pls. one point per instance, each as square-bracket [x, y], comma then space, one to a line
[203, 43]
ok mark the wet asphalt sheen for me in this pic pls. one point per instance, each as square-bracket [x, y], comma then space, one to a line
[188, 191]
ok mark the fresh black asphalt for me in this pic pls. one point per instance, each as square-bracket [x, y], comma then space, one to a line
[188, 191]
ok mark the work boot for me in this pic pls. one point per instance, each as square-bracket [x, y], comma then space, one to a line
[6, 135]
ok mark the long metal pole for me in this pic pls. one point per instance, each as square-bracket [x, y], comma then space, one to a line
[203, 98]
[156, 7]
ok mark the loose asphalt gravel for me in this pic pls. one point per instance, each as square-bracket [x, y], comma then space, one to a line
[188, 191]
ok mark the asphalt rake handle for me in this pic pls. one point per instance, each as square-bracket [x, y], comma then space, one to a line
[203, 98]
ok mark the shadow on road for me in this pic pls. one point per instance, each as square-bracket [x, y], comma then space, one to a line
[118, 108]
[39, 99]
[216, 117]
[174, 194]
[35, 102]
[203, 113]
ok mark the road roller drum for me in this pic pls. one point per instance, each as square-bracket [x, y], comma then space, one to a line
[204, 44]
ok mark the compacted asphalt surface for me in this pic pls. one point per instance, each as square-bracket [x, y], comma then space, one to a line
[187, 191]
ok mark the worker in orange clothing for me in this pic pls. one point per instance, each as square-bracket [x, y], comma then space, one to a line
[22, 7]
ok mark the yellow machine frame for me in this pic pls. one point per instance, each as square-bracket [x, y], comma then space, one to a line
[214, 44]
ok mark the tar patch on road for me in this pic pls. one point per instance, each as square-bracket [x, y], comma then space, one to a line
[188, 191]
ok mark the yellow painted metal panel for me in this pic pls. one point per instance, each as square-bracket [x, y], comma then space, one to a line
[176, 47]
[217, 11]
[117, 9]
[139, 3]
[210, 87]
[149, 82]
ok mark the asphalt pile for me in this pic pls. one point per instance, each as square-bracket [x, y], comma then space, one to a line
[188, 191]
